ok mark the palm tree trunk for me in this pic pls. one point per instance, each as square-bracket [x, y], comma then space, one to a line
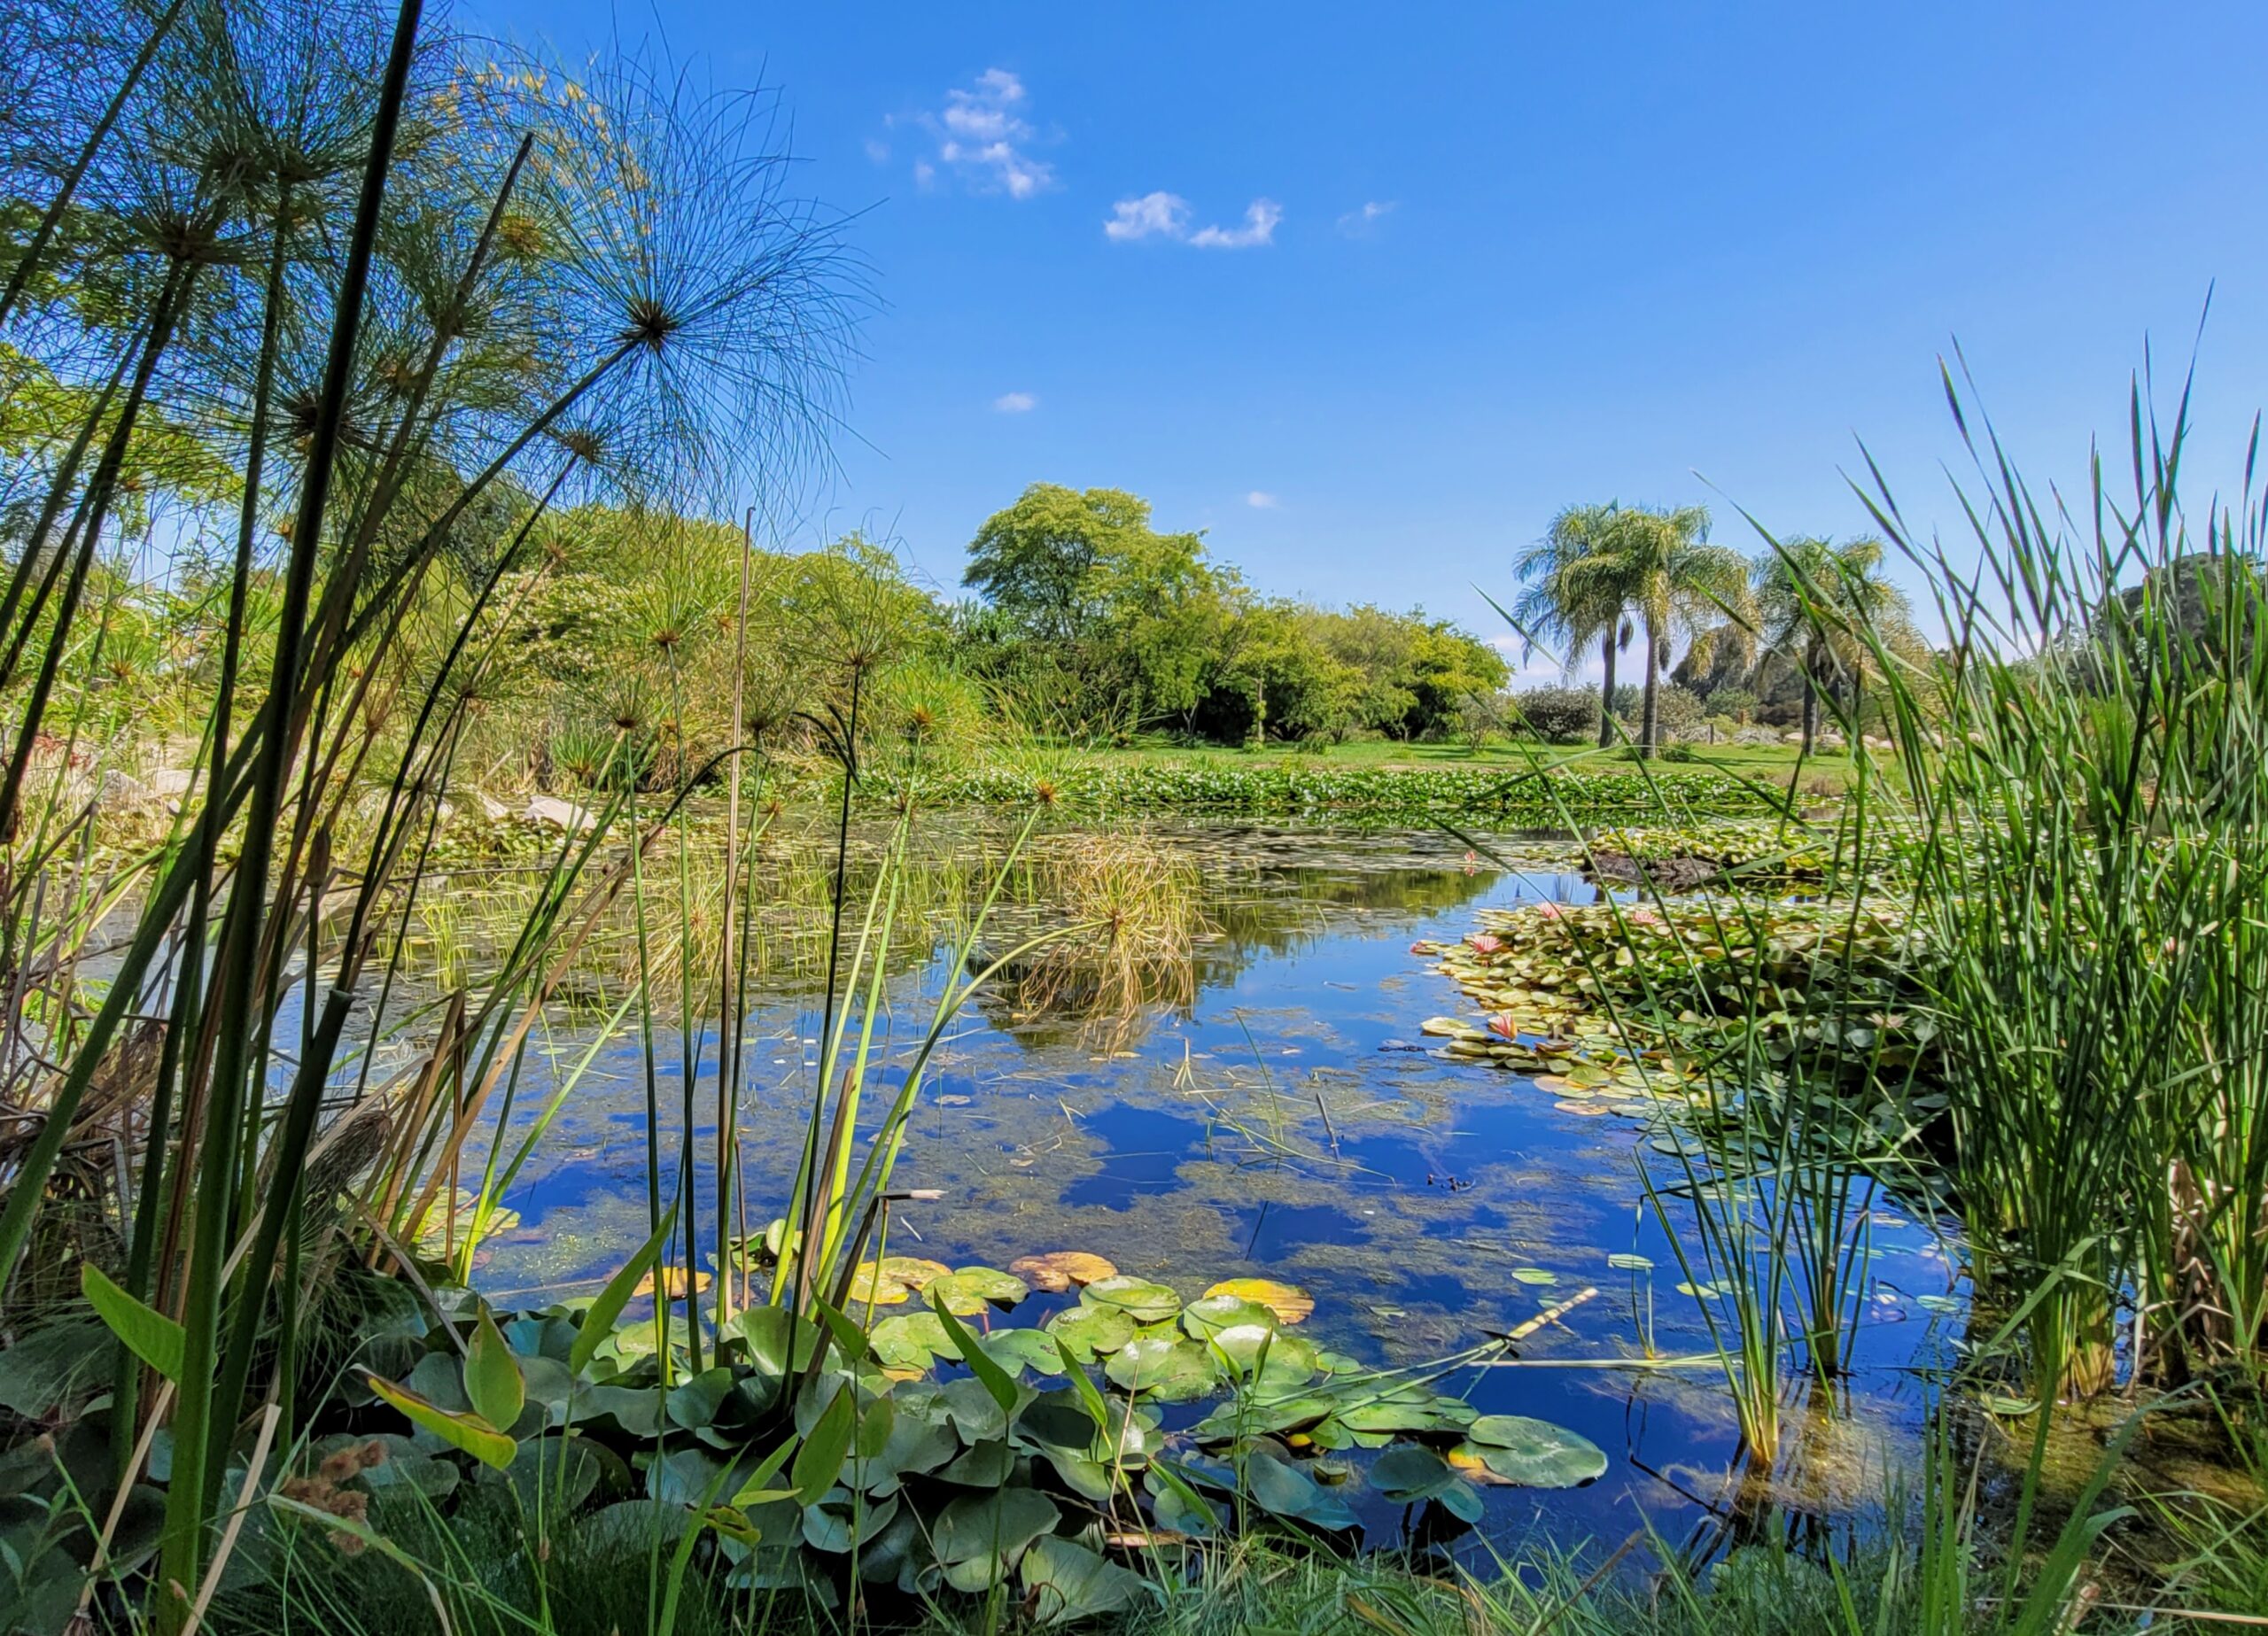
[1811, 713]
[1651, 721]
[1606, 688]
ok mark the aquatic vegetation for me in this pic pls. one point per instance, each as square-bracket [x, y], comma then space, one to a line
[1581, 993]
[1509, 796]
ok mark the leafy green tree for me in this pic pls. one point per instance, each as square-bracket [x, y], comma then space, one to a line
[1818, 605]
[1659, 565]
[1573, 605]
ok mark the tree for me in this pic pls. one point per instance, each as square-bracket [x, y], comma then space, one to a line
[1090, 592]
[1822, 609]
[1576, 608]
[1659, 564]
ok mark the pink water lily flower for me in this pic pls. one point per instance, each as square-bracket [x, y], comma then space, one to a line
[1549, 911]
[1421, 948]
[1644, 917]
[1502, 1024]
[1481, 943]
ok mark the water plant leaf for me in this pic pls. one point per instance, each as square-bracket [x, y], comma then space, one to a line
[492, 1376]
[967, 1291]
[1289, 1302]
[674, 1279]
[1088, 1332]
[995, 1379]
[1630, 1263]
[911, 1340]
[1139, 1298]
[1534, 1453]
[467, 1432]
[871, 1285]
[1172, 1371]
[1064, 1580]
[1534, 1276]
[1214, 1313]
[978, 1538]
[143, 1330]
[1287, 1491]
[1059, 1269]
[606, 1306]
[819, 1461]
[1023, 1349]
[770, 1334]
[913, 1271]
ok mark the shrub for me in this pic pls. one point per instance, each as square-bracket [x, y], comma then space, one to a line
[1558, 715]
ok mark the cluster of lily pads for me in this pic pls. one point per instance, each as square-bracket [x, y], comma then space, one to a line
[932, 1448]
[1603, 999]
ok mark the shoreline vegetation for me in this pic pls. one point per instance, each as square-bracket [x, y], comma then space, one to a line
[425, 370]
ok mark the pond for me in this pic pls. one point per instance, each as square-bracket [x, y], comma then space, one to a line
[1274, 1110]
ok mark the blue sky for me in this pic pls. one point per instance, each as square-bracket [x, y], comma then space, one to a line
[1369, 292]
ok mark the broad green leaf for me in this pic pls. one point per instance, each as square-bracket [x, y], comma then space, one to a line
[996, 1380]
[1533, 1452]
[143, 1330]
[1139, 1298]
[820, 1461]
[1064, 1580]
[1169, 1371]
[467, 1432]
[492, 1376]
[1289, 1302]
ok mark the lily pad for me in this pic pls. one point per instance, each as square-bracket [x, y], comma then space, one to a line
[870, 1284]
[969, 1291]
[1534, 1453]
[1216, 1313]
[1139, 1298]
[1169, 1371]
[1059, 1269]
[913, 1271]
[911, 1340]
[1064, 1580]
[1287, 1491]
[1534, 1276]
[1289, 1302]
[1091, 1333]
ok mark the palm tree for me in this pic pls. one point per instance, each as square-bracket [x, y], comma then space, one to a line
[1824, 607]
[1575, 608]
[1659, 564]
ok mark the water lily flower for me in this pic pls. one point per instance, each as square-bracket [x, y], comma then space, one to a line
[1481, 943]
[1502, 1025]
[1549, 911]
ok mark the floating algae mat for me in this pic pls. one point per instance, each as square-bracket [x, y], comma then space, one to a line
[1305, 1104]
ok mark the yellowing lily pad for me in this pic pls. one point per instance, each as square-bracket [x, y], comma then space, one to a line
[676, 1275]
[1059, 1269]
[871, 1285]
[913, 1271]
[1289, 1302]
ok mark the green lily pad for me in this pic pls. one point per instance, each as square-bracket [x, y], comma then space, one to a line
[1139, 1298]
[1029, 1349]
[968, 1292]
[1287, 1491]
[1064, 1580]
[978, 1538]
[911, 1340]
[1091, 1333]
[1534, 1274]
[1216, 1313]
[1534, 1453]
[1169, 1371]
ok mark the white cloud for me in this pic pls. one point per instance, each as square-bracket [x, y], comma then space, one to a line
[1261, 500]
[1166, 215]
[1363, 222]
[877, 149]
[982, 137]
[1259, 219]
[1015, 403]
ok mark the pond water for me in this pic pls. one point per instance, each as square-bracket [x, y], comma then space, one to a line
[1281, 1114]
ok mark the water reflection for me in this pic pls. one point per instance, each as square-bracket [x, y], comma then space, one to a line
[1270, 1109]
